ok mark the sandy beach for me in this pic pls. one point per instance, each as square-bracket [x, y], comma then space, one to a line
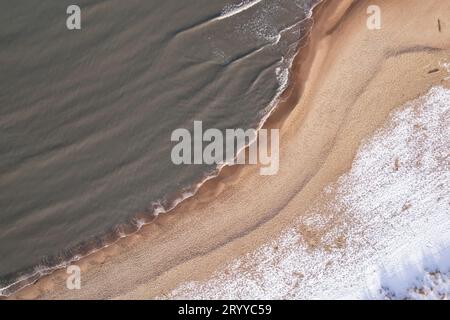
[346, 81]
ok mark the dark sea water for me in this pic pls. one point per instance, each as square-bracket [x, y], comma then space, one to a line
[86, 116]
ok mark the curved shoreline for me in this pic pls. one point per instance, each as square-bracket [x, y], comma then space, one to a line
[169, 251]
[140, 220]
[208, 188]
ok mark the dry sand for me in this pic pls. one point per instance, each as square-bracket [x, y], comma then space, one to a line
[347, 80]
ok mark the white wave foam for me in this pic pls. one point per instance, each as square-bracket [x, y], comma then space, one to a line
[385, 233]
[232, 10]
[282, 76]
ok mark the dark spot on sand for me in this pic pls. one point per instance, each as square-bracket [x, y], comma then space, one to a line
[439, 25]
[433, 71]
[396, 164]
[406, 206]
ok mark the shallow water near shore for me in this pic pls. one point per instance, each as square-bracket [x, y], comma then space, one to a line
[86, 116]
